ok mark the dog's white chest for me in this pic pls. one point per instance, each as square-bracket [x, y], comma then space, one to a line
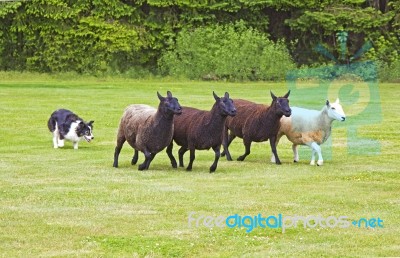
[71, 135]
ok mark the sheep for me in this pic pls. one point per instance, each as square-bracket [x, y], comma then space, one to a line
[199, 129]
[147, 129]
[256, 122]
[311, 128]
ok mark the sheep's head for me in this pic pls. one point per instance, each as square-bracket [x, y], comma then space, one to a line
[282, 104]
[335, 110]
[169, 104]
[225, 104]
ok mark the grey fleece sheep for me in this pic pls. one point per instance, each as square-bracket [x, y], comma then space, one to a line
[147, 129]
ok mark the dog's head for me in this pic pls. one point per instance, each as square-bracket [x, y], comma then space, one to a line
[85, 130]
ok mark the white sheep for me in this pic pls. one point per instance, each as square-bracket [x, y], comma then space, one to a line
[310, 127]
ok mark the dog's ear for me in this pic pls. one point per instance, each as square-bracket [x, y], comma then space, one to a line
[91, 123]
[81, 124]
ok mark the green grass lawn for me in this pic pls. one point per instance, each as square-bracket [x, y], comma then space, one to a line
[66, 202]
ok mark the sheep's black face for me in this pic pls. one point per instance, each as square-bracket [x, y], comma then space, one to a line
[173, 106]
[170, 104]
[226, 105]
[282, 104]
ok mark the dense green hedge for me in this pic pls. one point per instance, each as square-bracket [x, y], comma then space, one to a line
[138, 37]
[230, 52]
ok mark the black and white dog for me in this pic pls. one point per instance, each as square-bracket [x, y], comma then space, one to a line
[66, 125]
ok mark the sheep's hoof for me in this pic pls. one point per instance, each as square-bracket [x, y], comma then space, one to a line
[188, 169]
[312, 163]
[212, 169]
[320, 162]
[173, 164]
[278, 162]
[241, 158]
[295, 161]
[142, 167]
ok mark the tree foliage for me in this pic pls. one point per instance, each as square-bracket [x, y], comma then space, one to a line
[92, 36]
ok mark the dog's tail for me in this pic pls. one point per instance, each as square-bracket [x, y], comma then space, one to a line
[51, 124]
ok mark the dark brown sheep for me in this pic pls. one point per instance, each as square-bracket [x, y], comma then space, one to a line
[256, 122]
[147, 129]
[201, 130]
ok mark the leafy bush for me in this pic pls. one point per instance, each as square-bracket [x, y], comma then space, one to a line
[389, 72]
[387, 56]
[226, 52]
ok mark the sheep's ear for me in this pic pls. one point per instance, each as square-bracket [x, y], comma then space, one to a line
[169, 94]
[273, 96]
[227, 95]
[327, 103]
[161, 98]
[215, 96]
[337, 101]
[287, 95]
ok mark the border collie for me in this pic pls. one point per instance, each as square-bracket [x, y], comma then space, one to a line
[66, 125]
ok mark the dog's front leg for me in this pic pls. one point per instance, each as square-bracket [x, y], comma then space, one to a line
[60, 143]
[75, 145]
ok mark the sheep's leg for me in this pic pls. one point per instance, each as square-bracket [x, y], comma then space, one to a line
[272, 143]
[192, 157]
[278, 137]
[247, 145]
[217, 155]
[226, 142]
[135, 157]
[316, 149]
[148, 158]
[295, 152]
[170, 155]
[181, 152]
[120, 142]
[312, 162]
